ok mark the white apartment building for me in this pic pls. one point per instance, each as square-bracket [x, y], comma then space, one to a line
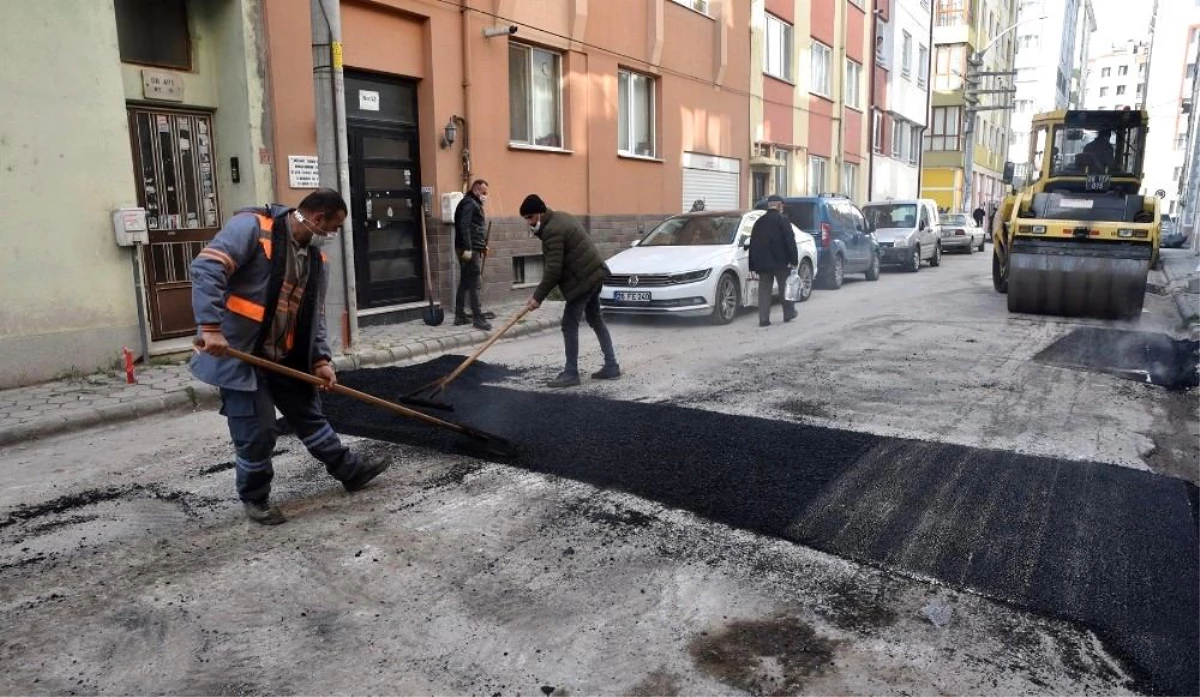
[1172, 71]
[1048, 39]
[1116, 78]
[1083, 54]
[903, 57]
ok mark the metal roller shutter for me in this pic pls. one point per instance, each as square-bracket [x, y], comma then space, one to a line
[718, 190]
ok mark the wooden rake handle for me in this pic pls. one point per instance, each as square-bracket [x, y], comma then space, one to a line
[347, 391]
[479, 352]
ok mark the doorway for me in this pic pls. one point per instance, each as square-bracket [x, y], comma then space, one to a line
[173, 156]
[385, 185]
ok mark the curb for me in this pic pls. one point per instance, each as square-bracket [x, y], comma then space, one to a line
[199, 396]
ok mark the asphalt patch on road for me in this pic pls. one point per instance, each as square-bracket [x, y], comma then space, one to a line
[1142, 356]
[1111, 548]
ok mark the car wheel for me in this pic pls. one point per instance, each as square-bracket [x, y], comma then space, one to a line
[725, 303]
[936, 259]
[873, 271]
[981, 241]
[970, 248]
[914, 260]
[833, 274]
[806, 280]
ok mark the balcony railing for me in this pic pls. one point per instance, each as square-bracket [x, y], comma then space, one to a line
[952, 14]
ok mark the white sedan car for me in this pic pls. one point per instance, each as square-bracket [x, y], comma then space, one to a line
[959, 231]
[695, 264]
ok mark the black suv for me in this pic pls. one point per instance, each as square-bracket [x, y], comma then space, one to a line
[845, 243]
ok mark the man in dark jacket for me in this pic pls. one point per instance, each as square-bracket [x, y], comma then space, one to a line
[979, 215]
[470, 245]
[259, 287]
[572, 263]
[773, 255]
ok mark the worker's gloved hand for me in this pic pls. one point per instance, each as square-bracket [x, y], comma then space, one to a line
[326, 373]
[466, 255]
[214, 343]
[533, 303]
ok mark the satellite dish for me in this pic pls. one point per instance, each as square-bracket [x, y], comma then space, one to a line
[1161, 193]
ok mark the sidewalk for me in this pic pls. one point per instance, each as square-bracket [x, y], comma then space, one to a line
[79, 402]
[1181, 270]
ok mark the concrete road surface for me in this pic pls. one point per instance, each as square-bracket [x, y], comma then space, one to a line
[125, 564]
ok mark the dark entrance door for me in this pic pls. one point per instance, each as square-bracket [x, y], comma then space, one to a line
[173, 157]
[385, 179]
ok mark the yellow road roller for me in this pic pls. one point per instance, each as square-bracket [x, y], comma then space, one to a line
[1079, 240]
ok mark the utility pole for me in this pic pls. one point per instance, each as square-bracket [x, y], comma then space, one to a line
[971, 94]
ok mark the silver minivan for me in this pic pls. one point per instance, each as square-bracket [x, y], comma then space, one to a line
[908, 231]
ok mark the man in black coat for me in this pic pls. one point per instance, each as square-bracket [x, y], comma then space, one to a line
[773, 255]
[979, 214]
[470, 245]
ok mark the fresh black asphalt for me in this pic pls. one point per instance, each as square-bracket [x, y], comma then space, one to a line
[1141, 356]
[1111, 548]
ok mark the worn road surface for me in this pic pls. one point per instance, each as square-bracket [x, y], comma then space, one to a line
[890, 495]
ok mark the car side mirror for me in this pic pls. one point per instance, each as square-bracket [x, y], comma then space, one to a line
[635, 243]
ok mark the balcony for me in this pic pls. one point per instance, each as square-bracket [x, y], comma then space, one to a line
[952, 17]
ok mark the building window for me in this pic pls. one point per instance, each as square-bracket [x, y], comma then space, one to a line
[1122, 70]
[1106, 72]
[777, 49]
[817, 171]
[700, 6]
[1181, 141]
[897, 139]
[949, 67]
[527, 270]
[877, 132]
[952, 13]
[821, 77]
[1141, 69]
[154, 32]
[534, 96]
[850, 180]
[946, 131]
[1120, 89]
[914, 144]
[853, 84]
[1177, 174]
[783, 173]
[906, 56]
[922, 66]
[635, 128]
[1103, 91]
[1141, 88]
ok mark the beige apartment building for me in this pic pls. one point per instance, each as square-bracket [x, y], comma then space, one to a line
[621, 112]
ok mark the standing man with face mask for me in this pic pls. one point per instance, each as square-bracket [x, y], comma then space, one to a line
[573, 264]
[470, 244]
[259, 287]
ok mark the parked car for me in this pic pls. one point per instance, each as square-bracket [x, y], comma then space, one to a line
[960, 232]
[1172, 236]
[844, 240]
[908, 231]
[695, 264]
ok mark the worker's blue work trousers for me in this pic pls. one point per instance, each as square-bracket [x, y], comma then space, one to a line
[251, 417]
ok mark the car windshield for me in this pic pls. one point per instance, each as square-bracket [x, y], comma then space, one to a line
[892, 215]
[954, 219]
[1082, 151]
[689, 230]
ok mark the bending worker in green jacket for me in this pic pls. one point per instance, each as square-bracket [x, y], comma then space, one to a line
[572, 263]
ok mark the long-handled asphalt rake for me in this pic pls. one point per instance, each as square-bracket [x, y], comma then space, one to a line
[487, 442]
[430, 396]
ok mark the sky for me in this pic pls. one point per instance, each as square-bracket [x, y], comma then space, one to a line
[1120, 20]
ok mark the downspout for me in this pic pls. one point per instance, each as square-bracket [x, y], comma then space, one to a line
[343, 172]
[870, 126]
[466, 86]
[928, 110]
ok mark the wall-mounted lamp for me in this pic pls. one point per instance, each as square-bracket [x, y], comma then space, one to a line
[493, 32]
[450, 133]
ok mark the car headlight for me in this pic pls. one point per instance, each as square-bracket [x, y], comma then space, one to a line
[691, 276]
[900, 242]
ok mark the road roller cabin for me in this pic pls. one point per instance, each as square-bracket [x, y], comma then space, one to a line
[1079, 240]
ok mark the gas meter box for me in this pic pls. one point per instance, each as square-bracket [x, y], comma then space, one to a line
[449, 205]
[129, 226]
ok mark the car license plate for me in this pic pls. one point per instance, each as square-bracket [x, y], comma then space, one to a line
[628, 297]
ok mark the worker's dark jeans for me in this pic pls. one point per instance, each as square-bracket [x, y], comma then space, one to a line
[251, 417]
[766, 285]
[586, 305]
[469, 281]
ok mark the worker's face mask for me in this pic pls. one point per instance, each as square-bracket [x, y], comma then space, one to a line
[535, 222]
[322, 227]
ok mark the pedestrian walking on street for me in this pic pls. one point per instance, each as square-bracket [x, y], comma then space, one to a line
[571, 262]
[773, 255]
[979, 214]
[991, 219]
[259, 287]
[470, 245]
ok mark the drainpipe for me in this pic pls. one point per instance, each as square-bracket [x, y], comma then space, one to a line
[928, 109]
[466, 86]
[333, 153]
[870, 125]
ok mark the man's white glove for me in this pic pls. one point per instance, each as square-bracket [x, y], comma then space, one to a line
[466, 255]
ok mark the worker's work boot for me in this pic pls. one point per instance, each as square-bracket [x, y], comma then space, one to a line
[461, 318]
[367, 470]
[263, 513]
[564, 379]
[608, 372]
[481, 323]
